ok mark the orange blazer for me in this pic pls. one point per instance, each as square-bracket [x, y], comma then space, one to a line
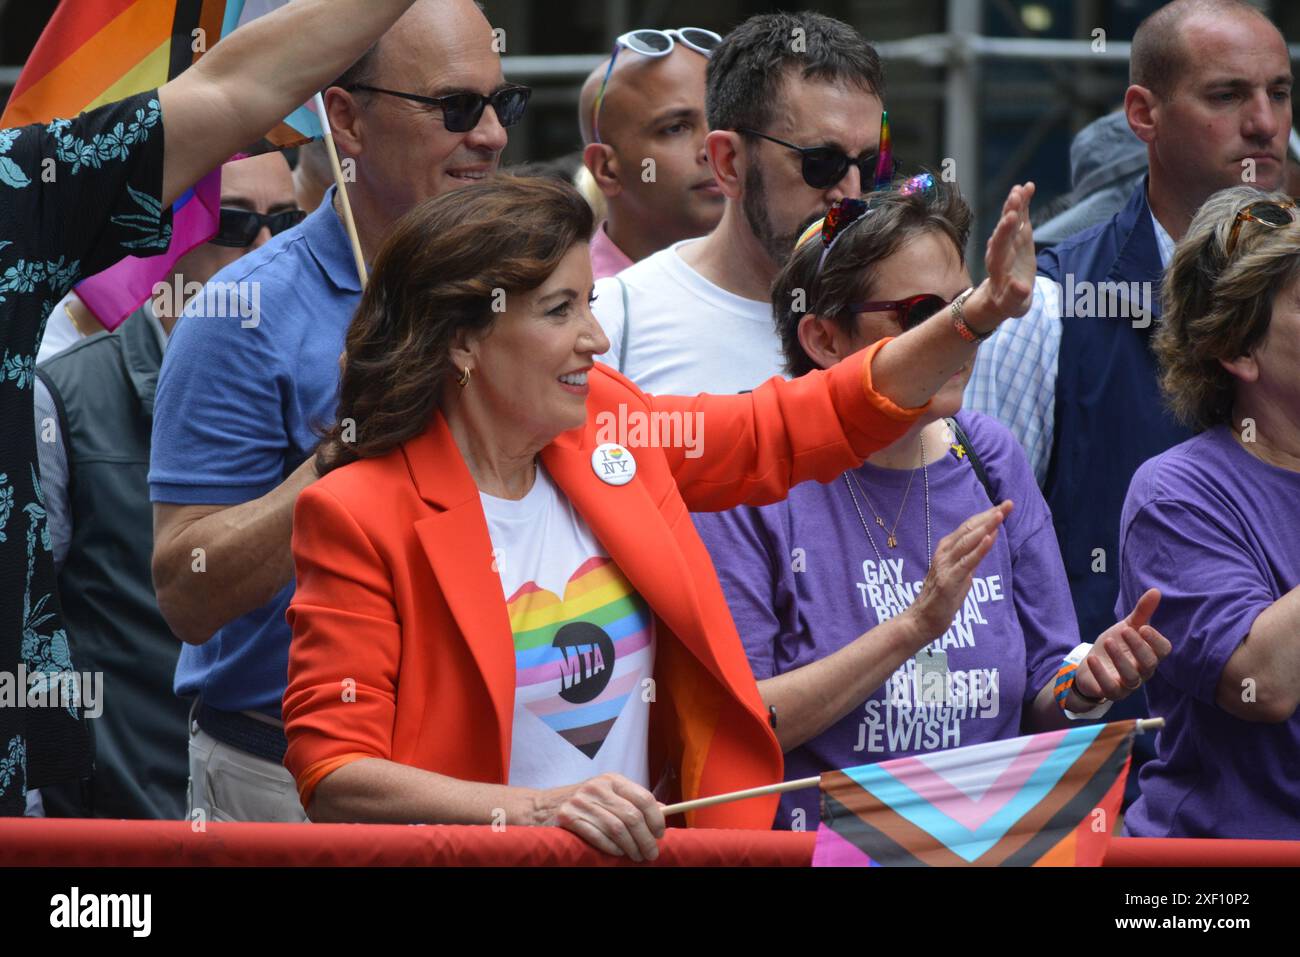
[402, 647]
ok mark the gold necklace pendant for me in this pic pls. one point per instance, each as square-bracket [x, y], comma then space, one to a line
[891, 540]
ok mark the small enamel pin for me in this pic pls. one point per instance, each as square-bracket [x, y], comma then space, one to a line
[613, 464]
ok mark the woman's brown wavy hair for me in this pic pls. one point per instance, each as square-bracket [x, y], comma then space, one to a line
[446, 265]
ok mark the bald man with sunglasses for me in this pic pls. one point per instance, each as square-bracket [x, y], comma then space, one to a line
[244, 386]
[641, 112]
[791, 132]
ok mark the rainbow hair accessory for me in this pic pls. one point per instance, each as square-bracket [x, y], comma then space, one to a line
[841, 217]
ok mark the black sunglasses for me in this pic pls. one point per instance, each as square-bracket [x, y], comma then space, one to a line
[462, 111]
[239, 227]
[912, 311]
[824, 166]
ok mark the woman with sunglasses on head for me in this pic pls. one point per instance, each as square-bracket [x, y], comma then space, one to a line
[503, 612]
[896, 609]
[1214, 523]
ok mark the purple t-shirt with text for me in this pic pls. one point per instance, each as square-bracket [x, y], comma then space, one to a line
[802, 581]
[1218, 532]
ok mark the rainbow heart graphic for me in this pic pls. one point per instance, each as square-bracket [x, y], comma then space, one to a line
[579, 659]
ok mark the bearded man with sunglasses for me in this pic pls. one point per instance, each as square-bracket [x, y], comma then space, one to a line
[94, 405]
[243, 390]
[794, 127]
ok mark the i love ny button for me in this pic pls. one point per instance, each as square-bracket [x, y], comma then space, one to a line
[613, 464]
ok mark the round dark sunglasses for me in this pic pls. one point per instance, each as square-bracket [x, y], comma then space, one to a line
[912, 311]
[824, 166]
[239, 227]
[462, 111]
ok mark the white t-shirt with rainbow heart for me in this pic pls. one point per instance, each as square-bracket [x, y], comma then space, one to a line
[584, 645]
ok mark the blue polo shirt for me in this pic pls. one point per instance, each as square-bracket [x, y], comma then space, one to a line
[249, 377]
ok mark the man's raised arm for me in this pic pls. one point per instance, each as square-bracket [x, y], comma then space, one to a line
[257, 76]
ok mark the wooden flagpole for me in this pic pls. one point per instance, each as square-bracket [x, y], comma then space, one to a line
[1142, 725]
[741, 795]
[348, 221]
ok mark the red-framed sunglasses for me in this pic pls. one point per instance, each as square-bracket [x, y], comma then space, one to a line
[912, 311]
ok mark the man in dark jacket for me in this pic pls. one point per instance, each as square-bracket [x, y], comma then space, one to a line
[94, 416]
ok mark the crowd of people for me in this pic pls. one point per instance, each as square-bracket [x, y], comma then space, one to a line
[716, 471]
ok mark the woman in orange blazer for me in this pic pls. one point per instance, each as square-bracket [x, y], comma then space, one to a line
[503, 613]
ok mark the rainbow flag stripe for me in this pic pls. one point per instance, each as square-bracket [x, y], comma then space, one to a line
[94, 52]
[578, 660]
[97, 51]
[1044, 799]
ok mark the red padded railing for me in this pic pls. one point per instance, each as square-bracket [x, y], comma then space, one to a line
[1188, 852]
[73, 843]
[76, 843]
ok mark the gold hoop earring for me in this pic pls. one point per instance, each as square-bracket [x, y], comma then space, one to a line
[464, 378]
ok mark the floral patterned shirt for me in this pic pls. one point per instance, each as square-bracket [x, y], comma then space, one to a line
[76, 196]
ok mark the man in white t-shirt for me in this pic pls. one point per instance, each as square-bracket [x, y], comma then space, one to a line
[695, 317]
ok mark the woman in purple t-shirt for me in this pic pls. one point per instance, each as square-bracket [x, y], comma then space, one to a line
[1214, 523]
[893, 611]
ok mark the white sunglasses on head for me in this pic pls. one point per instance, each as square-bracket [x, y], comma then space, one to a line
[653, 43]
[660, 42]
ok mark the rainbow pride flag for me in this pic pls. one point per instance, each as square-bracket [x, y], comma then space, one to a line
[94, 52]
[1042, 800]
